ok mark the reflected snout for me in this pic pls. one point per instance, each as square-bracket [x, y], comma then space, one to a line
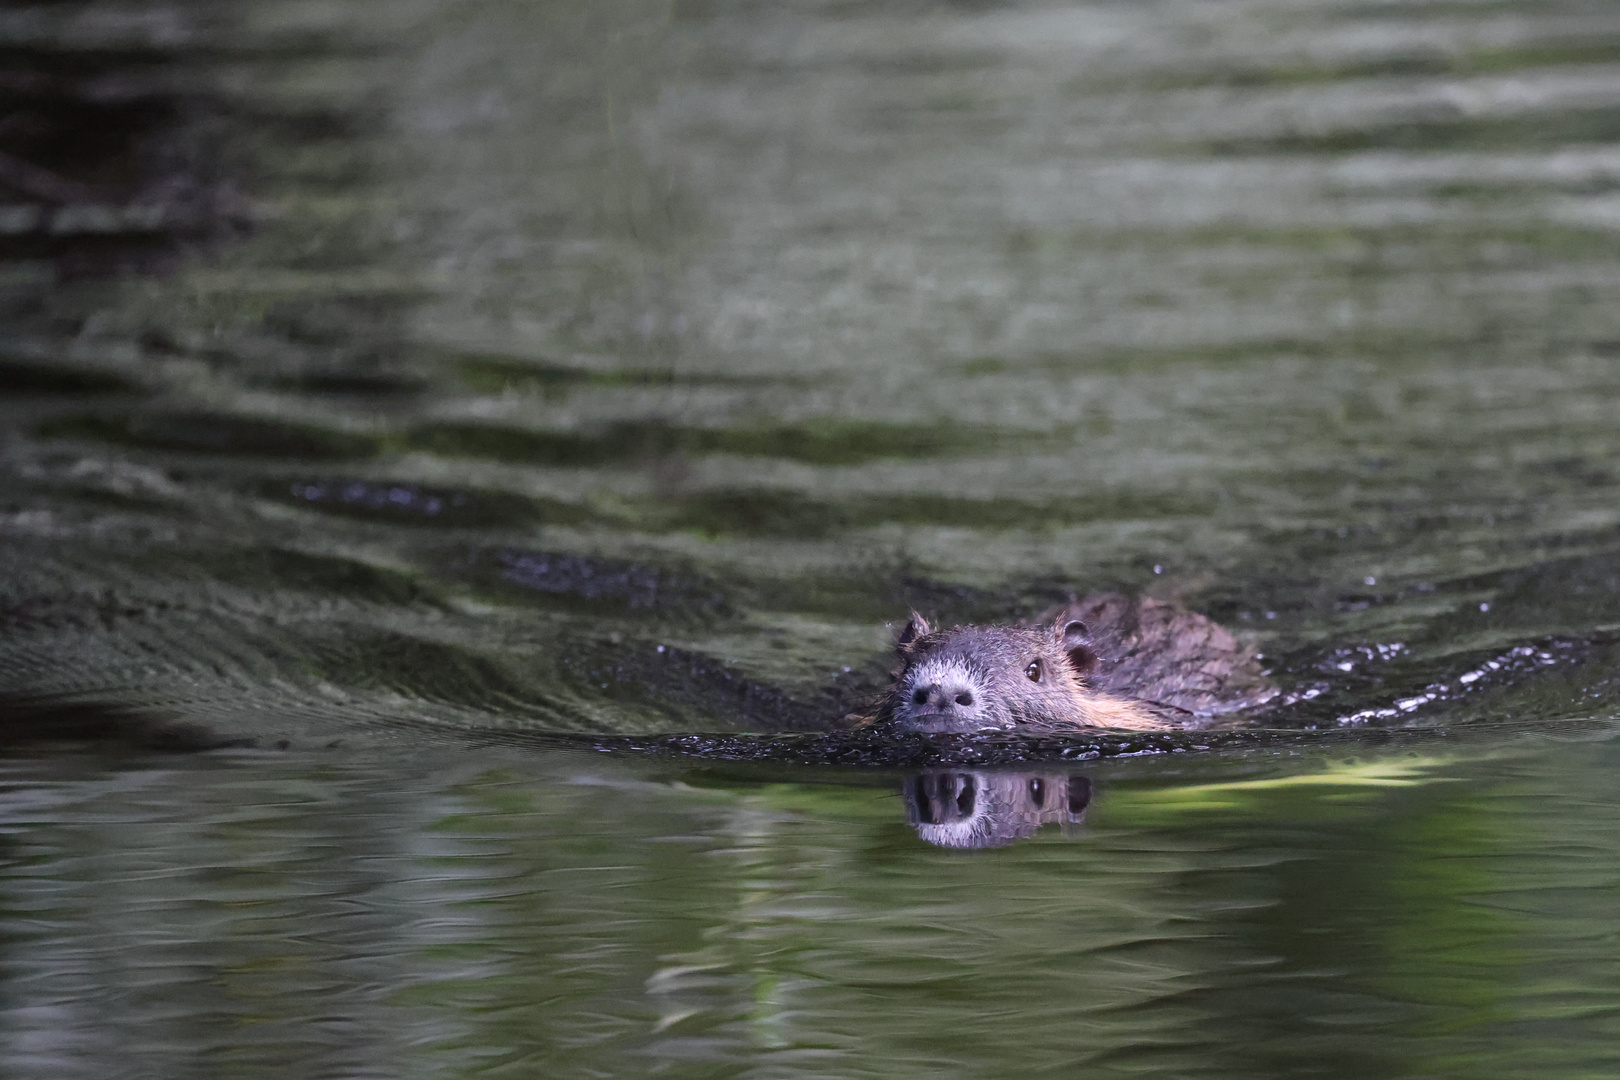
[942, 798]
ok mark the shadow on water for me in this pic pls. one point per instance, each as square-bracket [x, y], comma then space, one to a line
[32, 724]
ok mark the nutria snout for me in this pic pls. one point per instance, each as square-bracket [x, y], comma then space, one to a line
[1108, 661]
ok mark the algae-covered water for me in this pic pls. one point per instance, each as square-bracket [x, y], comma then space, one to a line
[457, 461]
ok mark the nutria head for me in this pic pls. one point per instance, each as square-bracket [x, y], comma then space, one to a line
[973, 678]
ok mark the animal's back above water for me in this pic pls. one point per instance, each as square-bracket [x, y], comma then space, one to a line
[1162, 654]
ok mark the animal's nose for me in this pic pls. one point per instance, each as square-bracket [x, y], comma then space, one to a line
[942, 696]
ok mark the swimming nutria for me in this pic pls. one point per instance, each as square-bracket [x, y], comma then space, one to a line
[1108, 661]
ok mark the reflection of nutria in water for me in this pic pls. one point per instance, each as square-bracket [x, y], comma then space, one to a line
[989, 809]
[1107, 661]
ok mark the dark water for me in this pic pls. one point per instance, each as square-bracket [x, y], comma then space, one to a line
[502, 432]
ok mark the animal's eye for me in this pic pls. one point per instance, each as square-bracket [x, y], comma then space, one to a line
[1033, 671]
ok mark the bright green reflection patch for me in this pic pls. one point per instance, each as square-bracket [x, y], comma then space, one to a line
[1376, 773]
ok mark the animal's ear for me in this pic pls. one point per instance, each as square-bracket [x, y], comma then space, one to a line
[1076, 641]
[915, 627]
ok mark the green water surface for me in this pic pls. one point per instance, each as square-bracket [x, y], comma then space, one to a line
[437, 410]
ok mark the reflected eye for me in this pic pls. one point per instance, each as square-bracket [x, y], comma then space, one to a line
[1033, 671]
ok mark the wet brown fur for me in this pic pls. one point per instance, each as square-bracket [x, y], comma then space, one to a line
[1107, 661]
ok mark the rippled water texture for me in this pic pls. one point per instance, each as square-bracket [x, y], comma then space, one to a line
[497, 434]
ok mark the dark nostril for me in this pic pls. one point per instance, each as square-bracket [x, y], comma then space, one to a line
[965, 797]
[964, 698]
[923, 797]
[920, 697]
